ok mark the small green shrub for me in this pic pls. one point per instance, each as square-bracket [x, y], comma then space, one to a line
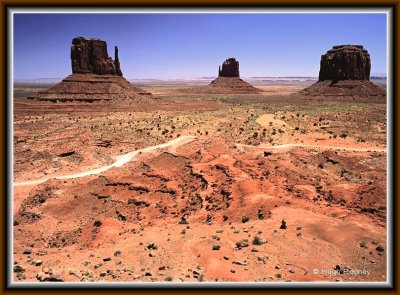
[257, 241]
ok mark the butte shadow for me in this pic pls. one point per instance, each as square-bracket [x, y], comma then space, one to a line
[95, 77]
[344, 73]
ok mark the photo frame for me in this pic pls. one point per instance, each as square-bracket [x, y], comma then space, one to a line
[392, 218]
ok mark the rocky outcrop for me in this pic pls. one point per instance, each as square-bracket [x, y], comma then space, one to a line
[228, 80]
[345, 62]
[116, 62]
[344, 72]
[95, 77]
[90, 56]
[230, 68]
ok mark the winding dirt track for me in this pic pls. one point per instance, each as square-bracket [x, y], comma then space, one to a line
[123, 159]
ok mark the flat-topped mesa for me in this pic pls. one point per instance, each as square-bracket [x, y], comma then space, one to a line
[230, 68]
[344, 73]
[345, 62]
[95, 78]
[91, 56]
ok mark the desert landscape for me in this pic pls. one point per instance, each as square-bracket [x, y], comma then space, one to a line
[222, 180]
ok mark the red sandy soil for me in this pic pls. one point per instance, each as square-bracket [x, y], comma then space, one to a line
[209, 206]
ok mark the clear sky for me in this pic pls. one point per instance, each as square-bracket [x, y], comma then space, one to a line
[194, 45]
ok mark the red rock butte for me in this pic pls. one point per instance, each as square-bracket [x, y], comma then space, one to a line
[95, 77]
[230, 68]
[344, 72]
[229, 81]
[90, 56]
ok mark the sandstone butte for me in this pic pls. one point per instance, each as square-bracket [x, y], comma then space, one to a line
[345, 72]
[229, 81]
[95, 77]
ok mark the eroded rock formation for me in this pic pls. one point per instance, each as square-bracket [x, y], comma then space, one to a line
[91, 56]
[95, 77]
[228, 80]
[344, 72]
[345, 62]
[230, 68]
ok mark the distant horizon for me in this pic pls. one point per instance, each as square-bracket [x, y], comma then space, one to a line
[379, 75]
[178, 46]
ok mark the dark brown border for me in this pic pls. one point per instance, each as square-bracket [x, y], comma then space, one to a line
[394, 4]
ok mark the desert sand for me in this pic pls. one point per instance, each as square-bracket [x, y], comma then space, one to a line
[272, 186]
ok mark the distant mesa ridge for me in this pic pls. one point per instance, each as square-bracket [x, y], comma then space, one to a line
[95, 77]
[345, 72]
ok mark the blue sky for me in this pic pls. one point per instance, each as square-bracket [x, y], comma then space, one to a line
[194, 45]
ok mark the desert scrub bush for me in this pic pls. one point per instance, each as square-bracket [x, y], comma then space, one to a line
[245, 219]
[363, 244]
[183, 221]
[257, 241]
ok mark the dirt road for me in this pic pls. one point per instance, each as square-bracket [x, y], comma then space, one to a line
[121, 160]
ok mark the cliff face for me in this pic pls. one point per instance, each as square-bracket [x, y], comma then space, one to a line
[90, 56]
[344, 73]
[345, 62]
[230, 68]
